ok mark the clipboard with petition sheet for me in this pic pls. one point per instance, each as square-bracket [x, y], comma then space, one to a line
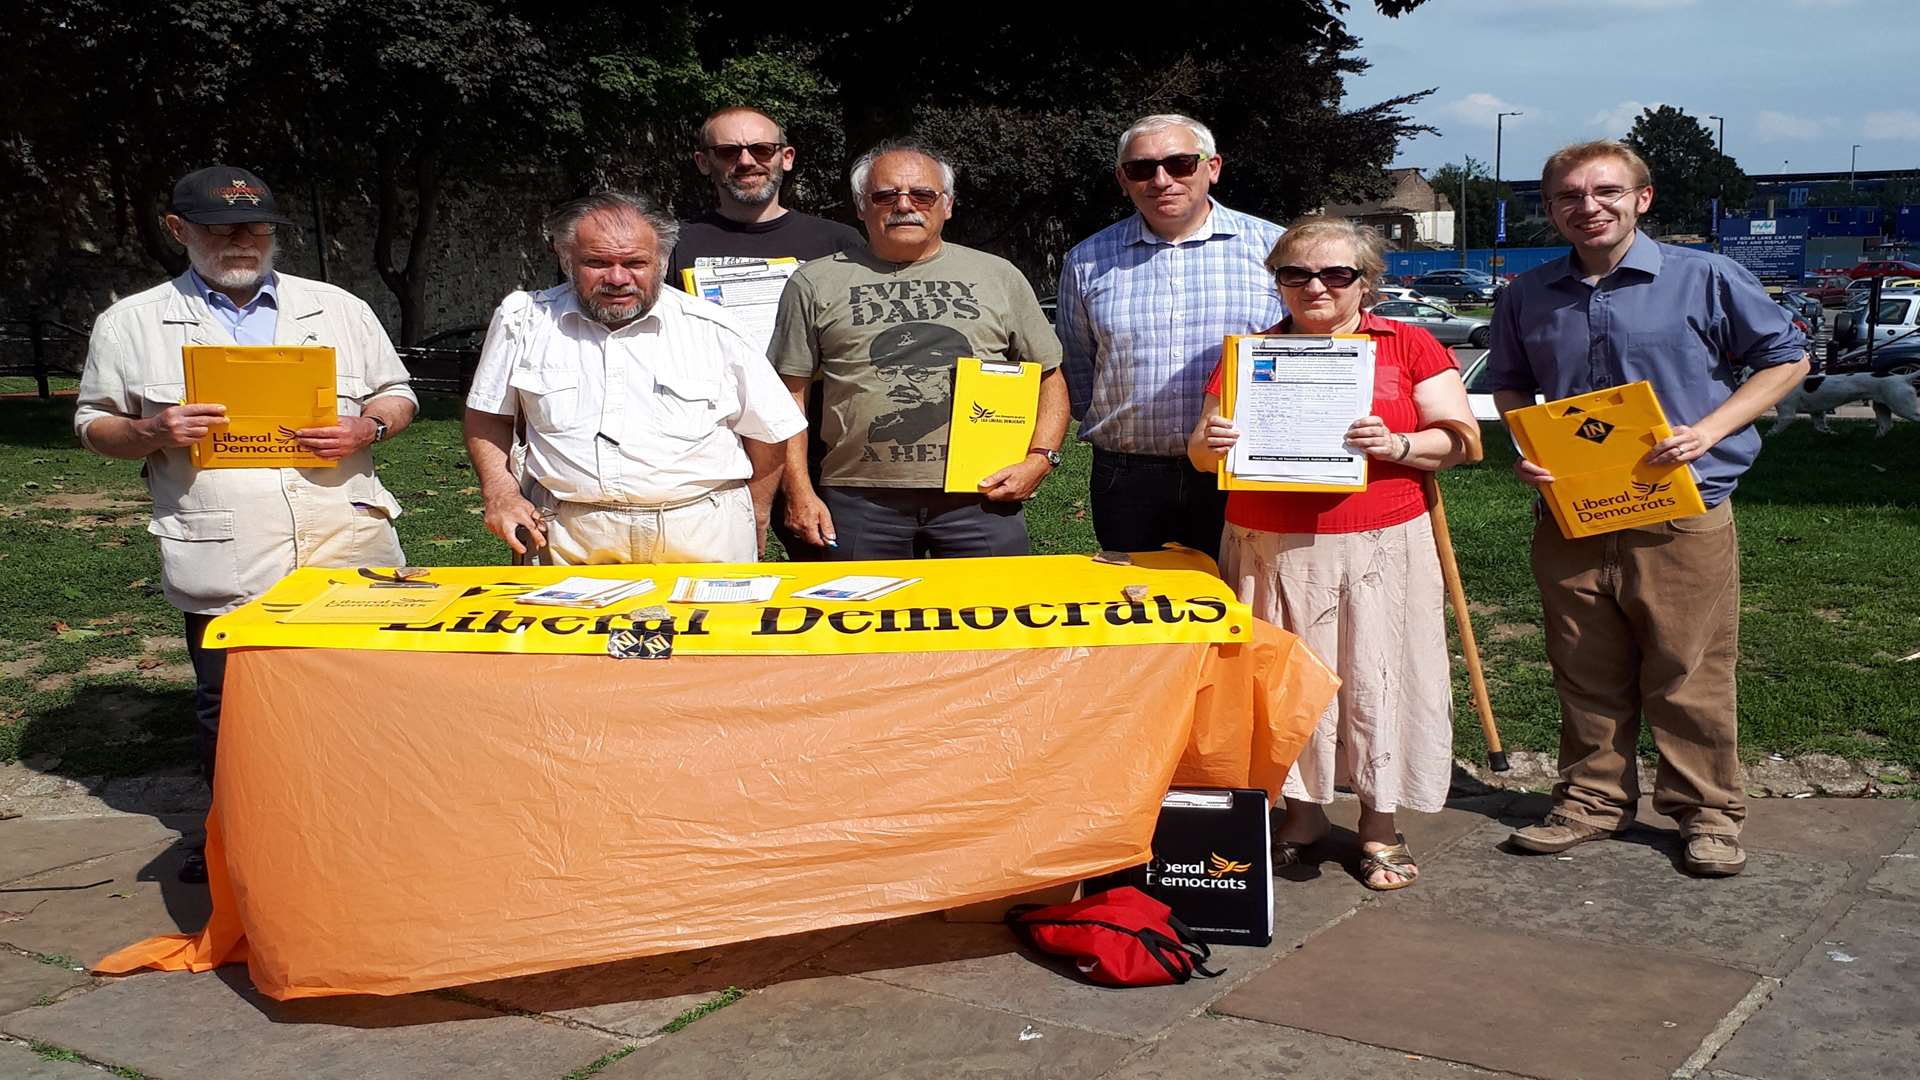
[749, 288]
[996, 404]
[1293, 397]
[270, 391]
[1596, 445]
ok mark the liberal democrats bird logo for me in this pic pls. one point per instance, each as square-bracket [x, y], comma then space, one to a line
[1219, 867]
[1643, 490]
[980, 412]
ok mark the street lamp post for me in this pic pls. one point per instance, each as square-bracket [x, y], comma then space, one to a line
[1460, 218]
[1499, 218]
[1853, 162]
[1720, 179]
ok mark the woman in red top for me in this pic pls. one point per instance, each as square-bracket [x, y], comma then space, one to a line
[1355, 575]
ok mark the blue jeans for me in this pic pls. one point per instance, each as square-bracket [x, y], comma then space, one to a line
[1140, 503]
[909, 523]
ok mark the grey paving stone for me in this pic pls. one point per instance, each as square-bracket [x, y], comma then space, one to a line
[1848, 1009]
[1500, 999]
[1633, 892]
[214, 1027]
[850, 1027]
[34, 845]
[1223, 1046]
[1827, 828]
[983, 964]
[24, 981]
[1899, 873]
[638, 997]
[20, 1063]
[110, 904]
[1430, 836]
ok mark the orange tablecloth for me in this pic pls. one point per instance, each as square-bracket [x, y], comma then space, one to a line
[388, 822]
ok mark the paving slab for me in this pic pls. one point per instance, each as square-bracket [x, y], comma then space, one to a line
[638, 997]
[983, 964]
[215, 1027]
[1827, 828]
[24, 982]
[22, 1063]
[1848, 1009]
[1632, 891]
[1526, 1003]
[88, 911]
[1429, 835]
[34, 845]
[850, 1027]
[1899, 873]
[1223, 1046]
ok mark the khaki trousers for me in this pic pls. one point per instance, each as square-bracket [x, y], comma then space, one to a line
[714, 528]
[1640, 623]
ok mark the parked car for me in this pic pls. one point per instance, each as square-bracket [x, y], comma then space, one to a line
[1885, 268]
[446, 360]
[1479, 396]
[1452, 286]
[1826, 288]
[1450, 327]
[1802, 306]
[1860, 288]
[1897, 315]
[1384, 293]
[1901, 356]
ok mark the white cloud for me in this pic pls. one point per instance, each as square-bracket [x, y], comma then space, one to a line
[1896, 124]
[1618, 120]
[1480, 107]
[1770, 126]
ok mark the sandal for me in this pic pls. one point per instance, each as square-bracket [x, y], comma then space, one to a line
[1292, 852]
[1394, 859]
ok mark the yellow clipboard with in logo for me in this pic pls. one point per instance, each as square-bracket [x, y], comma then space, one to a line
[996, 404]
[1596, 445]
[270, 391]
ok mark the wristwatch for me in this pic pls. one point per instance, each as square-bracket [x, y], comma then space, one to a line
[1052, 456]
[379, 429]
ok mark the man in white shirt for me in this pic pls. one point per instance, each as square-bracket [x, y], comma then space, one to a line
[654, 427]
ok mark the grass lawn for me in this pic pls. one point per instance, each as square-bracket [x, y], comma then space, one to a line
[93, 671]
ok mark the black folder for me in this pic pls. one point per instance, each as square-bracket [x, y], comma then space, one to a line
[1211, 864]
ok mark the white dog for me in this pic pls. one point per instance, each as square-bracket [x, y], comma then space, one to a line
[1891, 396]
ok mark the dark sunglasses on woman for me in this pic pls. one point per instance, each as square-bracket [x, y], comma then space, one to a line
[1333, 277]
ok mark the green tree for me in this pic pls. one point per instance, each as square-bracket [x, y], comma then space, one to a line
[1688, 171]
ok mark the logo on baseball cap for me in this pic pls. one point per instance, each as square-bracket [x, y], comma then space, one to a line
[224, 195]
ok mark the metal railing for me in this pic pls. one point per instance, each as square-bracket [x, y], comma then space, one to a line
[41, 348]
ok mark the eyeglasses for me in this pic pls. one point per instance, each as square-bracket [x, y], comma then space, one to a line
[254, 228]
[1333, 277]
[921, 198]
[1179, 166]
[762, 151]
[1605, 196]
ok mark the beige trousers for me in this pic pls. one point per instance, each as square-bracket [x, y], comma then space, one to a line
[715, 528]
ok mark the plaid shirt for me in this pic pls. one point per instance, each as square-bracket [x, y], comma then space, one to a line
[1143, 322]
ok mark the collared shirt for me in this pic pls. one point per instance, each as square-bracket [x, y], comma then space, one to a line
[253, 324]
[1684, 320]
[1143, 320]
[650, 413]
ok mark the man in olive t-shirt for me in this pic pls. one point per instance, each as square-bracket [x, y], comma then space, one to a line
[882, 327]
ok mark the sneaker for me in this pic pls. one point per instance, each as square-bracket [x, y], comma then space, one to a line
[1708, 855]
[1556, 834]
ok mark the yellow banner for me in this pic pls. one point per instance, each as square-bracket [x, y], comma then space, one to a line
[1045, 601]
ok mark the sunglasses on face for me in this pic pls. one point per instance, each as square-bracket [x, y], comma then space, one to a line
[254, 228]
[1179, 166]
[1333, 277]
[921, 198]
[762, 151]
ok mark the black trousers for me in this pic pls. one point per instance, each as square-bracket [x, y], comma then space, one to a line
[909, 523]
[209, 677]
[1140, 503]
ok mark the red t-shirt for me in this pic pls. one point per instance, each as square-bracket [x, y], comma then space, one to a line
[1403, 357]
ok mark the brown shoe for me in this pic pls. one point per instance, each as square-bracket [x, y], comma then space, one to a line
[1556, 834]
[1708, 855]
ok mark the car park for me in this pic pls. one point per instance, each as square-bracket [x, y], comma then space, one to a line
[1897, 314]
[1383, 293]
[1801, 305]
[1884, 268]
[1826, 287]
[1451, 286]
[1450, 327]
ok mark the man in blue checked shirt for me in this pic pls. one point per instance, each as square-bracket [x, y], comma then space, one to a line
[1145, 305]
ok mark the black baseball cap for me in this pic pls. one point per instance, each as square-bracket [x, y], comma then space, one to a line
[224, 195]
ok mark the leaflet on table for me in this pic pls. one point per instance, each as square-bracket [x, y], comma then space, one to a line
[587, 592]
[750, 289]
[742, 590]
[854, 587]
[373, 602]
[1293, 398]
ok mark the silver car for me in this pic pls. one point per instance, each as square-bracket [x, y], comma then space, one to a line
[1449, 327]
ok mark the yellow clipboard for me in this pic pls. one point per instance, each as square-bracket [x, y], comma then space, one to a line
[1596, 445]
[996, 404]
[270, 392]
[1229, 371]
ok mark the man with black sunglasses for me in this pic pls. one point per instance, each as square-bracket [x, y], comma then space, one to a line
[227, 535]
[1144, 308]
[745, 154]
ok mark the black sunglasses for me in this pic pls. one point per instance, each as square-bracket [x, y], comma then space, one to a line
[1333, 277]
[921, 198]
[1179, 166]
[762, 151]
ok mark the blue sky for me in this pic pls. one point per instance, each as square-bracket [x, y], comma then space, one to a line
[1799, 81]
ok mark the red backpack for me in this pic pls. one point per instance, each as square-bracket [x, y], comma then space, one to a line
[1121, 937]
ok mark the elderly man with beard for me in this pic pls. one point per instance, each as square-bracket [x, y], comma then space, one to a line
[227, 535]
[647, 411]
[881, 327]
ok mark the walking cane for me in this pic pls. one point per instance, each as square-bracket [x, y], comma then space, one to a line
[1457, 596]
